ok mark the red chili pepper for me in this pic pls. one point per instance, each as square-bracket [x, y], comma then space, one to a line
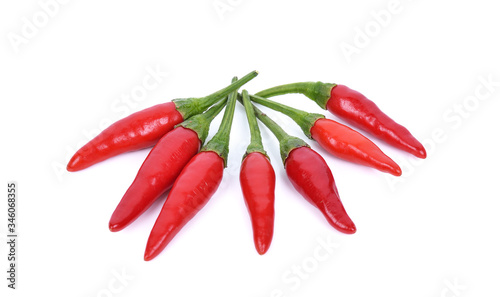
[194, 186]
[311, 176]
[345, 143]
[162, 166]
[257, 180]
[144, 128]
[339, 140]
[356, 109]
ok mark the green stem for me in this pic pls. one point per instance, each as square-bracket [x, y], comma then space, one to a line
[317, 91]
[287, 142]
[200, 123]
[255, 137]
[214, 110]
[220, 142]
[304, 119]
[191, 106]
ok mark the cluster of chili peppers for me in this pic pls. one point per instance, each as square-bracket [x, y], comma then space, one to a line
[180, 161]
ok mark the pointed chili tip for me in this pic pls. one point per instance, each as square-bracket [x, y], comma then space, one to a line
[396, 171]
[148, 255]
[349, 229]
[115, 227]
[73, 164]
[346, 227]
[261, 247]
[421, 153]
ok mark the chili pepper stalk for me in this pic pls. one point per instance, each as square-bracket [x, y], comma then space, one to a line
[339, 140]
[310, 176]
[144, 128]
[194, 186]
[258, 180]
[162, 166]
[354, 108]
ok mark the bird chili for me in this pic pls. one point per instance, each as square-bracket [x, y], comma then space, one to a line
[257, 180]
[310, 176]
[162, 166]
[144, 128]
[339, 140]
[356, 109]
[194, 186]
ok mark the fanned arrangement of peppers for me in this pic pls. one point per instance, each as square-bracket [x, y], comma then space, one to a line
[181, 164]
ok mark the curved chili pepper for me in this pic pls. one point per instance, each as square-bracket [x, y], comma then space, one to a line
[137, 131]
[339, 140]
[345, 143]
[194, 186]
[257, 180]
[162, 166]
[356, 109]
[144, 128]
[310, 176]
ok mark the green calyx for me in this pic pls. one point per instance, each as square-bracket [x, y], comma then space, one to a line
[189, 107]
[220, 142]
[287, 142]
[304, 119]
[200, 123]
[255, 137]
[317, 91]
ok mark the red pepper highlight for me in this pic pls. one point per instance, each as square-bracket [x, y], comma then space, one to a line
[356, 109]
[162, 166]
[257, 180]
[194, 186]
[345, 143]
[137, 131]
[311, 177]
[339, 140]
[156, 175]
[191, 191]
[144, 128]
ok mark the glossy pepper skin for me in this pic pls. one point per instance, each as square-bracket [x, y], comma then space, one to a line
[195, 185]
[156, 175]
[313, 179]
[162, 166]
[346, 143]
[137, 131]
[339, 140]
[310, 176]
[257, 180]
[356, 109]
[144, 128]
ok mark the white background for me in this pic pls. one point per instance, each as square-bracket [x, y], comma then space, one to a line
[432, 232]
